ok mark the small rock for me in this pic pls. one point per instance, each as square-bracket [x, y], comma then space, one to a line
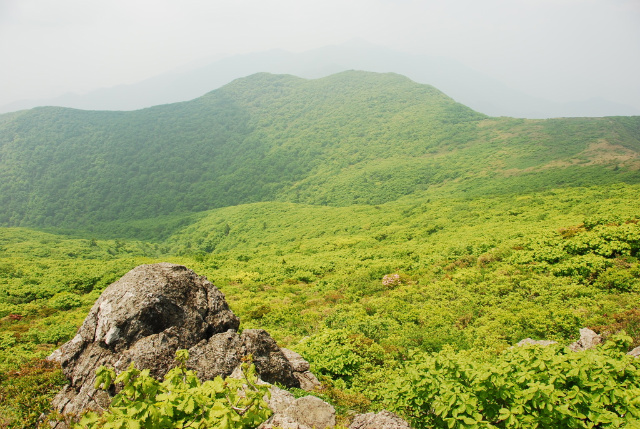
[308, 381]
[269, 360]
[280, 400]
[301, 372]
[541, 343]
[635, 352]
[297, 362]
[382, 420]
[588, 340]
[278, 421]
[308, 412]
[312, 412]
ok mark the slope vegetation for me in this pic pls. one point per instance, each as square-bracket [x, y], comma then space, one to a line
[350, 138]
[396, 239]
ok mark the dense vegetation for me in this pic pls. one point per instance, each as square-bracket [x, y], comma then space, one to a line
[397, 240]
[351, 138]
[472, 274]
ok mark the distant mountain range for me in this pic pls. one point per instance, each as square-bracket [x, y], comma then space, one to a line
[350, 138]
[467, 86]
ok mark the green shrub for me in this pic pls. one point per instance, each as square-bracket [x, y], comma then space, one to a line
[64, 301]
[26, 393]
[531, 386]
[181, 400]
[341, 355]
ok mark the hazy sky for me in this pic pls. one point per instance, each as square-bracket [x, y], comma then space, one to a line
[561, 50]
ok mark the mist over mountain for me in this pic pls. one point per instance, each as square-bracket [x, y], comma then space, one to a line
[465, 85]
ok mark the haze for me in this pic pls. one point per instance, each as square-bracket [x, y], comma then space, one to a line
[560, 50]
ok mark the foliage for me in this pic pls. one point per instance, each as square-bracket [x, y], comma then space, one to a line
[26, 393]
[375, 225]
[475, 273]
[351, 138]
[528, 386]
[342, 355]
[181, 400]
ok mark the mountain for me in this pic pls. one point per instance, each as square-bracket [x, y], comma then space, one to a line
[350, 138]
[465, 85]
[393, 237]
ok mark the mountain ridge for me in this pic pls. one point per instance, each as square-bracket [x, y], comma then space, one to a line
[351, 138]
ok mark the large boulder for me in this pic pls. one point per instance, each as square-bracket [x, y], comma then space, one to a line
[146, 316]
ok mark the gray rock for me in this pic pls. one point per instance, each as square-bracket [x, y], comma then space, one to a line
[308, 381]
[279, 400]
[635, 352]
[308, 412]
[279, 421]
[312, 412]
[218, 355]
[222, 355]
[588, 340]
[297, 362]
[300, 366]
[146, 316]
[541, 343]
[382, 420]
[269, 360]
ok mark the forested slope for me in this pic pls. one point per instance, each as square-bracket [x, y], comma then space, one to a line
[351, 138]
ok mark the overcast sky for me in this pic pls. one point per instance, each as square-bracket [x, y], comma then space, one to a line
[561, 50]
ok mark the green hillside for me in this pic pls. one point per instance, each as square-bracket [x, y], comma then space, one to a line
[351, 138]
[399, 241]
[368, 294]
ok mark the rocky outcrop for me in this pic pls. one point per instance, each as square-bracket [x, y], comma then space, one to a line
[382, 420]
[146, 316]
[588, 340]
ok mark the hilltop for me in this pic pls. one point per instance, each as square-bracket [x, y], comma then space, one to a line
[466, 85]
[350, 138]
